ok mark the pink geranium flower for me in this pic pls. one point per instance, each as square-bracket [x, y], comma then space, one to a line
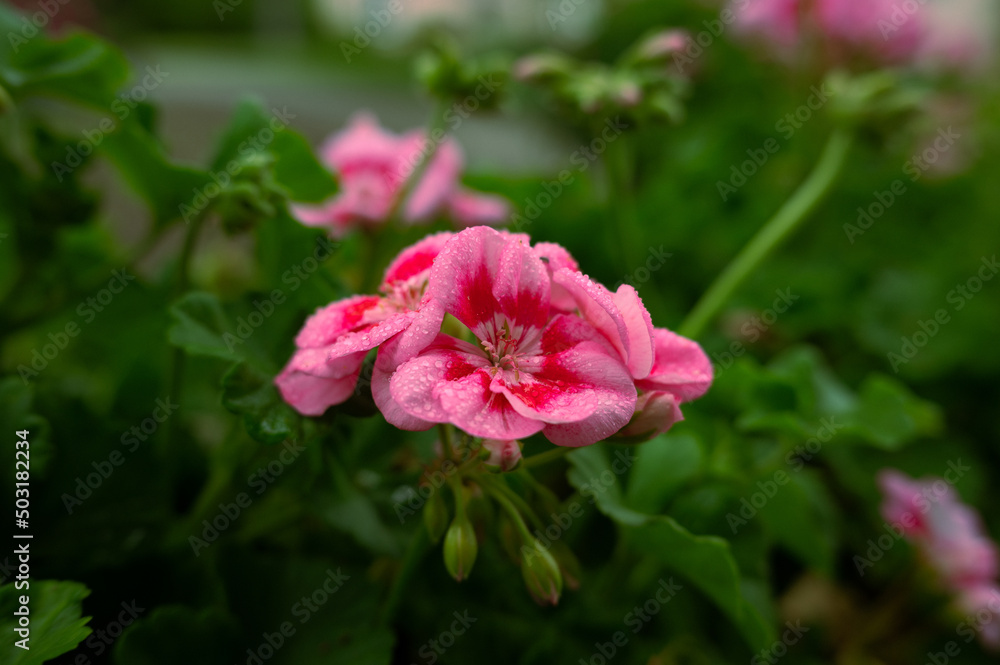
[372, 166]
[982, 604]
[334, 341]
[950, 538]
[880, 31]
[531, 369]
[947, 532]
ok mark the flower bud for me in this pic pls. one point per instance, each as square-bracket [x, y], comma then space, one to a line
[543, 67]
[501, 455]
[541, 574]
[460, 548]
[435, 516]
[660, 47]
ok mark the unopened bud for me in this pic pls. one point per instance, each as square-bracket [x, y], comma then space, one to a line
[661, 46]
[541, 574]
[501, 455]
[460, 548]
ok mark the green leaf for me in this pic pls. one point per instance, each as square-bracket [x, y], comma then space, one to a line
[171, 191]
[889, 415]
[199, 327]
[704, 560]
[663, 465]
[57, 625]
[252, 394]
[79, 67]
[176, 634]
[800, 516]
[351, 511]
[296, 167]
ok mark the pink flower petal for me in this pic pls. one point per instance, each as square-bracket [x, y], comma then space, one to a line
[312, 395]
[362, 144]
[330, 322]
[449, 382]
[639, 326]
[680, 367]
[416, 260]
[575, 376]
[469, 208]
[483, 276]
[597, 305]
[556, 257]
[655, 413]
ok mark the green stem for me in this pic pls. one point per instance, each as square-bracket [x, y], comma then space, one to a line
[546, 457]
[780, 227]
[437, 125]
[508, 505]
[178, 356]
[446, 440]
[498, 487]
[620, 163]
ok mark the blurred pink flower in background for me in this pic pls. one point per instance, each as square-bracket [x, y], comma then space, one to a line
[950, 538]
[883, 32]
[373, 165]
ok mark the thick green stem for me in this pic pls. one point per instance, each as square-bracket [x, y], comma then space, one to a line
[780, 227]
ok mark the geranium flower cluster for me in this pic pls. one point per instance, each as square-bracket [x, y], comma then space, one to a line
[503, 340]
[950, 538]
[880, 31]
[373, 167]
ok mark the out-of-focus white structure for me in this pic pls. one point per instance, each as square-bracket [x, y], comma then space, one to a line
[485, 21]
